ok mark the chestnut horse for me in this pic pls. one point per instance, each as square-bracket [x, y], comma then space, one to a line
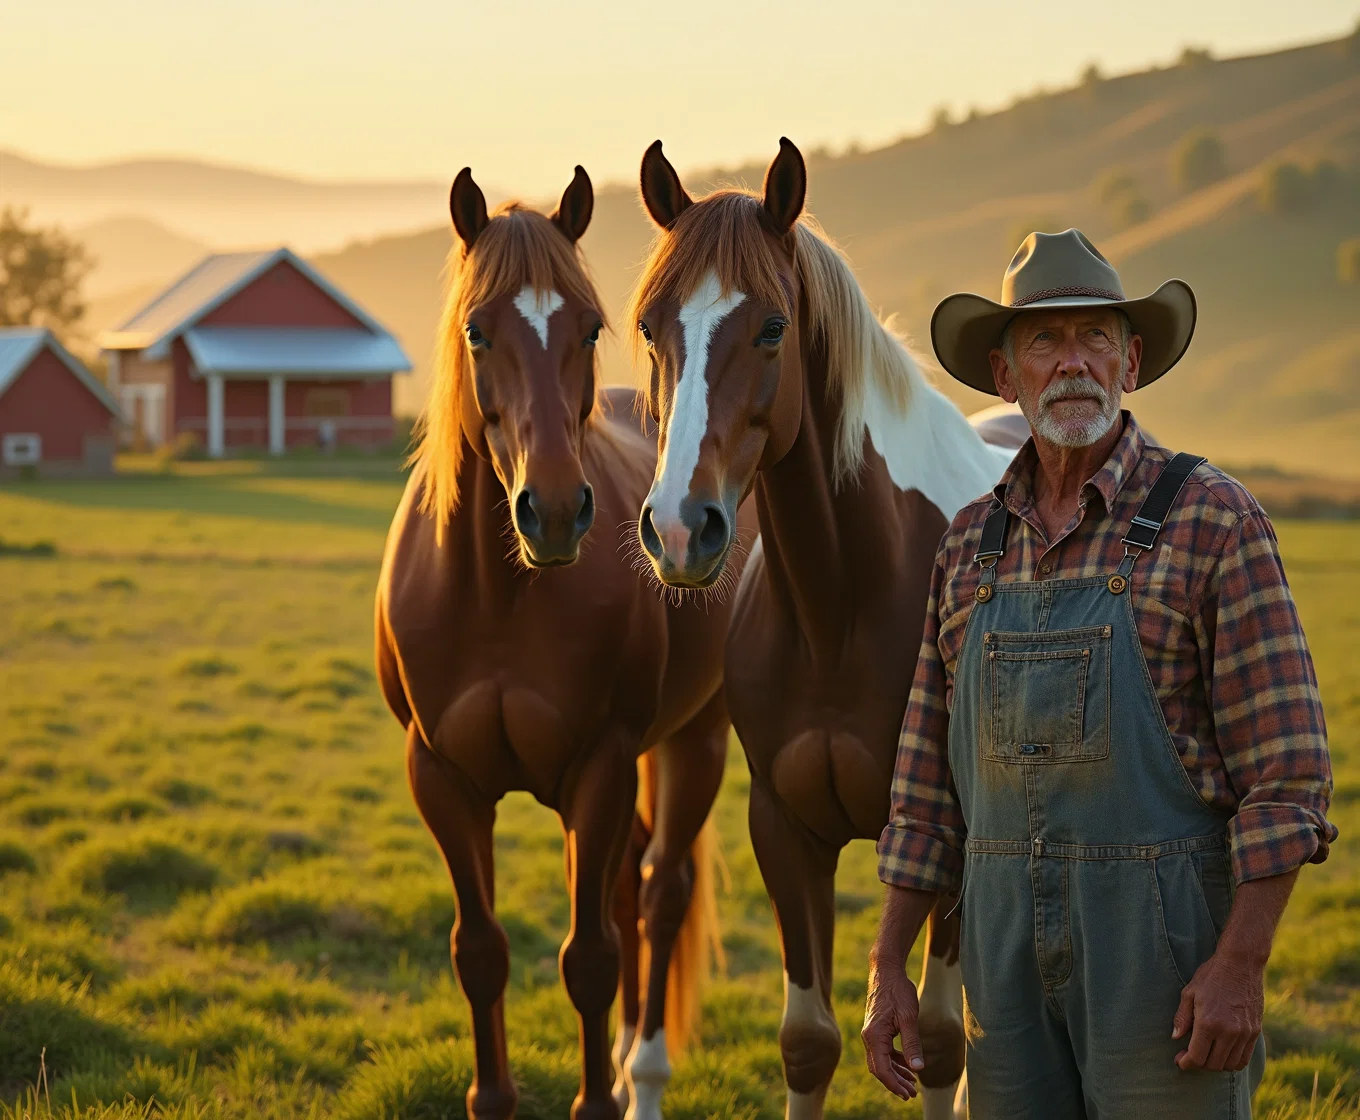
[519, 659]
[770, 374]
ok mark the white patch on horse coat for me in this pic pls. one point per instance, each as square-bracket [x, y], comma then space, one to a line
[648, 1072]
[537, 308]
[942, 1001]
[805, 1005]
[932, 448]
[623, 1045]
[699, 318]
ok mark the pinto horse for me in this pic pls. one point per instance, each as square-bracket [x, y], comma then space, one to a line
[771, 375]
[518, 657]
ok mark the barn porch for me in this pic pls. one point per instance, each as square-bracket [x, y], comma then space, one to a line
[312, 359]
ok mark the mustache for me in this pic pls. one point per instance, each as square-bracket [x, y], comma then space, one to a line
[1073, 389]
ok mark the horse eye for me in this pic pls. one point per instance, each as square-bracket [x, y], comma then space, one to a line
[474, 335]
[773, 331]
[646, 334]
[594, 335]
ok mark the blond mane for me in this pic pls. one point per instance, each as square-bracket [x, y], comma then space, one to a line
[518, 247]
[871, 375]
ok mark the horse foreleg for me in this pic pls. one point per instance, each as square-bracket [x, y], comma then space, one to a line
[597, 809]
[461, 820]
[941, 1018]
[799, 870]
[626, 918]
[689, 770]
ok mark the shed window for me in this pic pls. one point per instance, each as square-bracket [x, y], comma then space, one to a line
[327, 402]
[22, 449]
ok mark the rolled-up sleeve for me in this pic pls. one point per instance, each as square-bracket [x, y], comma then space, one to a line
[1267, 711]
[922, 845]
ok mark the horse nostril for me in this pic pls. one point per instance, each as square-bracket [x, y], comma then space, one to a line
[713, 534]
[526, 517]
[585, 516]
[651, 540]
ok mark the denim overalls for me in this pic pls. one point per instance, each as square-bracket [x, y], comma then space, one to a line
[1096, 880]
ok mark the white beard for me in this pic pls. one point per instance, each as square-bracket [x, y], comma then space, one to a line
[1074, 432]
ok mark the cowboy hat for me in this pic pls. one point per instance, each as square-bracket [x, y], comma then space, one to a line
[1059, 270]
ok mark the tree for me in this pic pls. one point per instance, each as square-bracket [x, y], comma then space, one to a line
[1348, 261]
[1285, 187]
[1198, 160]
[942, 118]
[41, 271]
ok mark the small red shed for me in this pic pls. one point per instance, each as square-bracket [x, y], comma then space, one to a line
[56, 417]
[255, 350]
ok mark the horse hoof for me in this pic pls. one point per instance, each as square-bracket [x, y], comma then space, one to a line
[604, 1109]
[492, 1102]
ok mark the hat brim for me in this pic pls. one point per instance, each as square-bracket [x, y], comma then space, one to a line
[966, 328]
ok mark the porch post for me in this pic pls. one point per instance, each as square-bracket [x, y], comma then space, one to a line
[214, 415]
[276, 441]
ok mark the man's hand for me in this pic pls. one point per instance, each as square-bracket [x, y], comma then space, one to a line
[891, 1011]
[1221, 1010]
[1221, 1007]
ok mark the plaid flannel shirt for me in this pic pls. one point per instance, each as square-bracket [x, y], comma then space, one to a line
[1220, 634]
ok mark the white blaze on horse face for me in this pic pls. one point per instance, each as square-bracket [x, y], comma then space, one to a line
[700, 317]
[537, 308]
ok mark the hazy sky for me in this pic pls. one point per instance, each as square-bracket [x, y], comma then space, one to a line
[523, 90]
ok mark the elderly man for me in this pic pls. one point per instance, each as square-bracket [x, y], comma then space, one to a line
[1114, 749]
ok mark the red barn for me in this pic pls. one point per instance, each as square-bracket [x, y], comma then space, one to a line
[255, 350]
[55, 416]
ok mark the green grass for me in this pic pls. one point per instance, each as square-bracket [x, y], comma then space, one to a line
[217, 900]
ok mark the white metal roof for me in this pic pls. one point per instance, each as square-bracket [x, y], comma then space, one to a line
[320, 352]
[206, 286]
[20, 345]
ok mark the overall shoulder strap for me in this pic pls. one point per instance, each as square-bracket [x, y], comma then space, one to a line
[993, 543]
[1152, 514]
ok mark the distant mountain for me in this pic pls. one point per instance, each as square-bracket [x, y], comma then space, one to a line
[1274, 372]
[132, 252]
[226, 207]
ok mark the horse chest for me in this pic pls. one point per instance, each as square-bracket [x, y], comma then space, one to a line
[507, 734]
[820, 725]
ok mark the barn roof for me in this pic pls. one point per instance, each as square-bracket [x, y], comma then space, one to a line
[20, 345]
[206, 286]
[295, 351]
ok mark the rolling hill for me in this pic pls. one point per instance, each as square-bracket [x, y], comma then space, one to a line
[225, 207]
[1274, 373]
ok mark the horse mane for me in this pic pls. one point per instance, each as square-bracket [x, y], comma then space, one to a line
[518, 247]
[878, 383]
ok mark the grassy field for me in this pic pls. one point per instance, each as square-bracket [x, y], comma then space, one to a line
[217, 900]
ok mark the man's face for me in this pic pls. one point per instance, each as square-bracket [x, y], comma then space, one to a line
[1068, 371]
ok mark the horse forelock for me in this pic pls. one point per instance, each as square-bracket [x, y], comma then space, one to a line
[518, 249]
[721, 235]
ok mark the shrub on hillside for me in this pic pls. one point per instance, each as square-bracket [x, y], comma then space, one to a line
[40, 1014]
[15, 857]
[1198, 160]
[1290, 187]
[141, 868]
[1348, 261]
[424, 1082]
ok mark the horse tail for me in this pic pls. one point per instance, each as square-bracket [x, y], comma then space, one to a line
[699, 943]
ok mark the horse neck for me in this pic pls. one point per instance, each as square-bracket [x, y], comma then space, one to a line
[477, 541]
[827, 548]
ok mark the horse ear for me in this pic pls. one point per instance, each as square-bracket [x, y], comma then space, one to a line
[578, 203]
[662, 192]
[785, 187]
[467, 204]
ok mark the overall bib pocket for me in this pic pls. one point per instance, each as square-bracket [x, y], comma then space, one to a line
[1045, 696]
